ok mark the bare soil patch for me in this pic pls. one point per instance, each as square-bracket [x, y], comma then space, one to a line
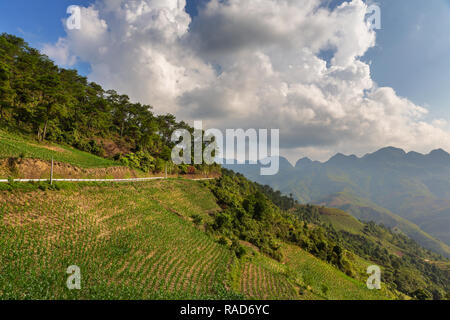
[39, 169]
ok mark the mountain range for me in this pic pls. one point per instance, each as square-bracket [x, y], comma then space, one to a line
[408, 192]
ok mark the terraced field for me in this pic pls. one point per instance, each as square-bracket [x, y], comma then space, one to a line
[325, 281]
[258, 282]
[13, 145]
[138, 241]
[341, 220]
[125, 242]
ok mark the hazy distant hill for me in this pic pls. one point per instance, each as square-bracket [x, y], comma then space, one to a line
[384, 186]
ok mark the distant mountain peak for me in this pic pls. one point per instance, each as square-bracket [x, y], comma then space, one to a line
[285, 163]
[439, 156]
[391, 150]
[383, 154]
[341, 159]
[303, 162]
[439, 152]
[337, 156]
[388, 153]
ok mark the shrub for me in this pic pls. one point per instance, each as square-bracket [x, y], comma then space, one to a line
[191, 170]
[197, 219]
[324, 288]
[160, 165]
[222, 220]
[183, 169]
[223, 241]
[89, 146]
[238, 249]
[140, 160]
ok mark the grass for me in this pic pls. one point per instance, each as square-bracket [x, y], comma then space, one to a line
[365, 210]
[262, 278]
[15, 146]
[259, 283]
[341, 220]
[126, 243]
[321, 279]
[138, 241]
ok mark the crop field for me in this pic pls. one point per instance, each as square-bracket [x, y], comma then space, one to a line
[126, 244]
[259, 283]
[341, 220]
[139, 241]
[324, 280]
[12, 145]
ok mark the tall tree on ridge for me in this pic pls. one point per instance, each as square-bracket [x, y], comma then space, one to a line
[53, 102]
[6, 92]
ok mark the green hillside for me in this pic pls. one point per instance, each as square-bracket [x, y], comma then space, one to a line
[326, 282]
[366, 210]
[408, 191]
[182, 239]
[225, 238]
[140, 242]
[345, 223]
[21, 146]
[437, 223]
[341, 220]
[42, 105]
[405, 264]
[127, 244]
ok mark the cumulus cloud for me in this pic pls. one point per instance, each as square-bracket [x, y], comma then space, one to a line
[252, 64]
[60, 53]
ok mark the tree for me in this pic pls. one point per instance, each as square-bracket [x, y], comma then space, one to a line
[56, 104]
[52, 105]
[121, 108]
[6, 92]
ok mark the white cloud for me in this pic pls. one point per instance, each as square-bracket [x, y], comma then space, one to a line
[60, 53]
[252, 63]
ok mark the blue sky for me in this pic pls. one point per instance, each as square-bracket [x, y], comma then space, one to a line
[411, 56]
[39, 21]
[413, 50]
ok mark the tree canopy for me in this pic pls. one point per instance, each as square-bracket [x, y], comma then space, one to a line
[55, 104]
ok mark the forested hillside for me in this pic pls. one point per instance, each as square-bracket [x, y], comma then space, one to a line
[408, 191]
[54, 104]
[250, 214]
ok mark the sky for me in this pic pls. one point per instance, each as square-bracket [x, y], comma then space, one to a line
[311, 68]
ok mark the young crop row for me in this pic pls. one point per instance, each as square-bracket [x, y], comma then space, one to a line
[126, 245]
[324, 280]
[258, 282]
